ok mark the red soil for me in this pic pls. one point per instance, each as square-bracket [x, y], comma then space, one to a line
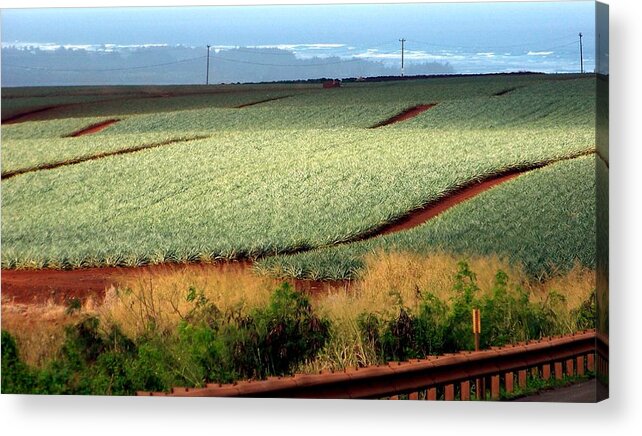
[49, 166]
[406, 114]
[261, 101]
[60, 286]
[30, 115]
[505, 91]
[39, 286]
[32, 286]
[433, 209]
[94, 128]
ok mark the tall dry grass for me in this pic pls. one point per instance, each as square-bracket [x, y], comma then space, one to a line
[388, 280]
[161, 295]
[391, 279]
[39, 330]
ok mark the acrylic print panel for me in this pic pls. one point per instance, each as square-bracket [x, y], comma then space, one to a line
[403, 201]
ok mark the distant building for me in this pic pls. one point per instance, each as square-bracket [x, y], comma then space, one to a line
[332, 83]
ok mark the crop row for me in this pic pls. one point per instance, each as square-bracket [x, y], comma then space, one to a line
[241, 194]
[543, 220]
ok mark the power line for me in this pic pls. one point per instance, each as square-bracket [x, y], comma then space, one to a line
[101, 69]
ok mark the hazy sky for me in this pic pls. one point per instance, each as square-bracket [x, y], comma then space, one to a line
[489, 25]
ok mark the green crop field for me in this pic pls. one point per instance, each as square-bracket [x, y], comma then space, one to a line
[302, 171]
[544, 219]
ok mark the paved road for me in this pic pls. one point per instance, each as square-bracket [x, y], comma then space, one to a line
[584, 392]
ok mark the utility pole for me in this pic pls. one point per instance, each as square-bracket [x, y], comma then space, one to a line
[402, 40]
[581, 55]
[597, 61]
[207, 75]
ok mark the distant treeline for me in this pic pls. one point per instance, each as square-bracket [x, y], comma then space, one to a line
[186, 65]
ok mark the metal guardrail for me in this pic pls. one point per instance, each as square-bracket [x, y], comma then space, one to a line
[449, 377]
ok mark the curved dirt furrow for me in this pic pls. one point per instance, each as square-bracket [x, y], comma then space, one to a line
[29, 115]
[94, 128]
[420, 216]
[406, 114]
[50, 166]
[30, 286]
[253, 103]
[505, 91]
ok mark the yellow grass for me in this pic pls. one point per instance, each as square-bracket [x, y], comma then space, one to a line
[39, 330]
[393, 278]
[161, 295]
[387, 280]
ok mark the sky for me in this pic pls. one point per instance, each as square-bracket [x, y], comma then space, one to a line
[491, 24]
[471, 37]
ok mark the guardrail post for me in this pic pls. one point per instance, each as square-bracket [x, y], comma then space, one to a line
[521, 378]
[590, 362]
[465, 390]
[580, 366]
[494, 387]
[480, 388]
[508, 382]
[546, 371]
[453, 376]
[570, 371]
[431, 394]
[449, 392]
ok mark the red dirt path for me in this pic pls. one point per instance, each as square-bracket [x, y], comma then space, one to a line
[94, 128]
[32, 286]
[433, 209]
[39, 286]
[50, 166]
[406, 114]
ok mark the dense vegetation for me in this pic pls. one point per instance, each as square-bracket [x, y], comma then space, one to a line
[213, 344]
[544, 220]
[300, 172]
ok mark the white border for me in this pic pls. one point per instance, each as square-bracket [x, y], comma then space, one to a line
[619, 415]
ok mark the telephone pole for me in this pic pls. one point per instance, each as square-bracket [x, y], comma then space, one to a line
[581, 55]
[402, 40]
[207, 75]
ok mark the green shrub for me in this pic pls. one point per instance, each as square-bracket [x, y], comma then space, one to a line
[208, 346]
[273, 340]
[16, 376]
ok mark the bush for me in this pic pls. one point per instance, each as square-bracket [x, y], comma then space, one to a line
[273, 340]
[16, 376]
[208, 346]
[437, 328]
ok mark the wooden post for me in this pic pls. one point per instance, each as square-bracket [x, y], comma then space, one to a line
[431, 394]
[494, 387]
[521, 378]
[449, 392]
[590, 362]
[546, 371]
[465, 390]
[580, 366]
[508, 382]
[480, 388]
[558, 370]
[476, 327]
[570, 371]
